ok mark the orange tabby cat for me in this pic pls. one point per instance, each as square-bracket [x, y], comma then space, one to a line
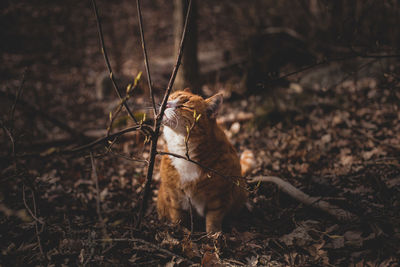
[184, 183]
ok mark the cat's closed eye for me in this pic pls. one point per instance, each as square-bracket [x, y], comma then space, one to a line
[186, 107]
[183, 101]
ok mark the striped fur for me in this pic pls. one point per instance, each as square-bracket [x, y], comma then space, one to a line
[213, 196]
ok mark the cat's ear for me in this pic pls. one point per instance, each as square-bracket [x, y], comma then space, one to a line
[187, 89]
[214, 104]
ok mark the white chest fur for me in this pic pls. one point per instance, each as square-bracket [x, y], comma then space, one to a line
[176, 144]
[187, 171]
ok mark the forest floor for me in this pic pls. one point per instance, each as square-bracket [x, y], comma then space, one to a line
[339, 142]
[341, 145]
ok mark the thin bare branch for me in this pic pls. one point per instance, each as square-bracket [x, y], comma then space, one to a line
[176, 67]
[234, 179]
[8, 133]
[104, 52]
[127, 157]
[327, 61]
[142, 127]
[157, 123]
[146, 61]
[96, 180]
[114, 115]
[27, 207]
[191, 215]
[192, 161]
[19, 92]
[36, 226]
[34, 216]
[55, 151]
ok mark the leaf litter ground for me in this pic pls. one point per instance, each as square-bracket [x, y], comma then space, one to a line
[341, 144]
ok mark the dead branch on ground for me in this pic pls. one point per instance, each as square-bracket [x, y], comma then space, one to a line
[315, 202]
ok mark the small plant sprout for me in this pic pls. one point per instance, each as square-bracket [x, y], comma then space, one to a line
[137, 79]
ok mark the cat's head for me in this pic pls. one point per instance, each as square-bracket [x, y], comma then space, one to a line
[184, 107]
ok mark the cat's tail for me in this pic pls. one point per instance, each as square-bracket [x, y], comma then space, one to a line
[247, 162]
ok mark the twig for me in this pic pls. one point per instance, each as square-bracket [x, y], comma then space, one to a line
[162, 153]
[302, 197]
[326, 61]
[352, 73]
[131, 88]
[147, 129]
[21, 86]
[27, 207]
[8, 133]
[146, 61]
[36, 226]
[191, 215]
[323, 62]
[36, 220]
[127, 157]
[206, 168]
[154, 246]
[157, 123]
[104, 52]
[143, 127]
[113, 116]
[96, 180]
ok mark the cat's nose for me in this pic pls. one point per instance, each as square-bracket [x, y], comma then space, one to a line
[172, 103]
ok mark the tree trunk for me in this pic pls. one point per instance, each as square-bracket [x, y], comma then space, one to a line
[188, 74]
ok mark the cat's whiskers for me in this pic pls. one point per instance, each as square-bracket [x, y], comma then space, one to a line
[175, 116]
[171, 118]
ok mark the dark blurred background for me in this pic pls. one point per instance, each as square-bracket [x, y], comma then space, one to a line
[262, 38]
[243, 47]
[246, 45]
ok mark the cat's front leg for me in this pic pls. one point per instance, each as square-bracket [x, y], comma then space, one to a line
[214, 221]
[168, 206]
